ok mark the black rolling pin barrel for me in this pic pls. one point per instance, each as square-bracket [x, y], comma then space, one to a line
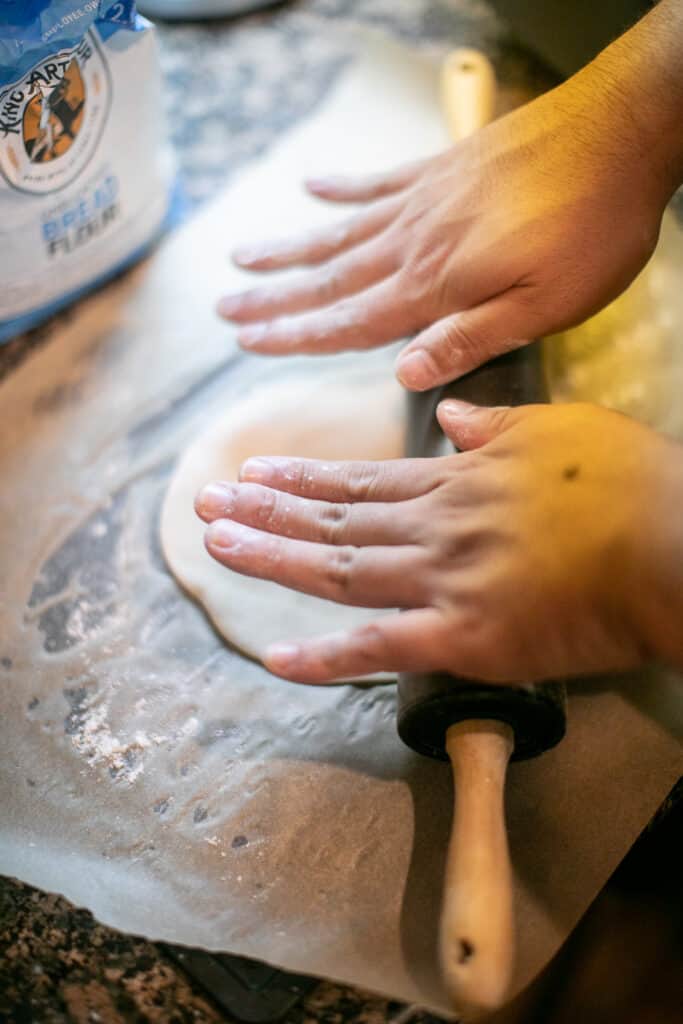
[428, 703]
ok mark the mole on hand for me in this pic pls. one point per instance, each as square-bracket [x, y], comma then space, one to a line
[466, 951]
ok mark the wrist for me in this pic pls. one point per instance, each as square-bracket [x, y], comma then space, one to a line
[638, 83]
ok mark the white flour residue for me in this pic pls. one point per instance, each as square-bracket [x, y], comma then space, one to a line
[94, 740]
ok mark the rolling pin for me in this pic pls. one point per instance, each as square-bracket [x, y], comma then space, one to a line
[479, 727]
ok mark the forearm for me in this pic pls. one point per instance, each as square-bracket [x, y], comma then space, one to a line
[640, 76]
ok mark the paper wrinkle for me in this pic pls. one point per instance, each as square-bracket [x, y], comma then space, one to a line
[176, 789]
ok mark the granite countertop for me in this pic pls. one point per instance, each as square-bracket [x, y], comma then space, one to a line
[231, 88]
[59, 966]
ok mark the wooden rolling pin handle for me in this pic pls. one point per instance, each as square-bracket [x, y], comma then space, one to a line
[468, 92]
[476, 941]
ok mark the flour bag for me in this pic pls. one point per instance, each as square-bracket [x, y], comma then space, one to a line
[85, 168]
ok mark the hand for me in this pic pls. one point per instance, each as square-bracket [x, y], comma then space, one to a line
[522, 230]
[541, 550]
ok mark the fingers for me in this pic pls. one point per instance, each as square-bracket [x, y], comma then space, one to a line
[458, 343]
[414, 641]
[372, 577]
[391, 480]
[304, 518]
[343, 189]
[341, 277]
[373, 317]
[320, 245]
[471, 426]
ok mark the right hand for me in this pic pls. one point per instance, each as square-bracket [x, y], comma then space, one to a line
[549, 546]
[521, 230]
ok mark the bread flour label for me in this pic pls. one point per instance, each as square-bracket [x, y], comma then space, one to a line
[85, 167]
[51, 119]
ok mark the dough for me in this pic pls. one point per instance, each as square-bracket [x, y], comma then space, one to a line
[348, 411]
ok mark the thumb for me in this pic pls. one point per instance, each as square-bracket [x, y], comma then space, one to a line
[471, 426]
[462, 341]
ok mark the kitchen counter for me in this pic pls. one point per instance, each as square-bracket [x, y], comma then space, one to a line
[232, 87]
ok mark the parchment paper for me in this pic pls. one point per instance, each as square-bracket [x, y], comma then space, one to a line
[169, 785]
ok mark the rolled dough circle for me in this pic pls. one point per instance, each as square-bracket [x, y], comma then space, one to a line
[351, 411]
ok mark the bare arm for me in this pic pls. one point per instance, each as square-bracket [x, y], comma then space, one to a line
[641, 75]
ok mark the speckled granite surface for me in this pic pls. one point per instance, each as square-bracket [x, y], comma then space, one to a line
[57, 965]
[232, 87]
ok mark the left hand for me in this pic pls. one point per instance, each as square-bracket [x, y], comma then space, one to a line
[516, 232]
[519, 558]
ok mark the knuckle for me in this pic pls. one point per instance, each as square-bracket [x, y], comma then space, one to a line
[271, 553]
[370, 644]
[334, 522]
[499, 418]
[329, 287]
[394, 237]
[448, 548]
[416, 207]
[299, 479]
[267, 511]
[339, 569]
[361, 482]
[456, 344]
[414, 280]
[469, 544]
[460, 340]
[330, 330]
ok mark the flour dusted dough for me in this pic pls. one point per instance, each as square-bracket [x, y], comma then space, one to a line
[350, 412]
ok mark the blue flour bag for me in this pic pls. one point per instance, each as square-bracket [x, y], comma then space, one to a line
[85, 169]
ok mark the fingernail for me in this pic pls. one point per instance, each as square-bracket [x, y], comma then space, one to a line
[456, 407]
[320, 184]
[413, 371]
[251, 255]
[280, 656]
[215, 500]
[223, 534]
[228, 305]
[256, 469]
[252, 335]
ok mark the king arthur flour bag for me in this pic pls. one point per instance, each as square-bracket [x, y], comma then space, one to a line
[84, 165]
